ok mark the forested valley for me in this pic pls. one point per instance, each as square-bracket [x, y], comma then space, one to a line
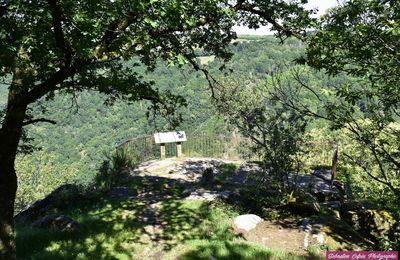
[88, 129]
[293, 139]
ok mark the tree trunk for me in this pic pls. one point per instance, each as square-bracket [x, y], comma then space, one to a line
[10, 134]
[8, 188]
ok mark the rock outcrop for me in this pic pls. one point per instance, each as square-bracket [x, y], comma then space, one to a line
[61, 197]
[365, 218]
[246, 222]
[63, 223]
[303, 204]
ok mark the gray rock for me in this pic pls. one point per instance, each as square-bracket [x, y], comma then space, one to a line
[204, 194]
[247, 222]
[186, 192]
[323, 174]
[61, 197]
[207, 177]
[63, 223]
[316, 183]
[121, 192]
[331, 204]
[304, 204]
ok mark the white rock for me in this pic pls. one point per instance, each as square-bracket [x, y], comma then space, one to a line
[320, 238]
[247, 222]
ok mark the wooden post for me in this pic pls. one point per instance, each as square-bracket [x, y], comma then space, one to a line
[162, 151]
[178, 149]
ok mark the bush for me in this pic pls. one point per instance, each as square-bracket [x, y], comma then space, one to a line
[115, 168]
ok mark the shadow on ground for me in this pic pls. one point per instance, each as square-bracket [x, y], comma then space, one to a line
[122, 228]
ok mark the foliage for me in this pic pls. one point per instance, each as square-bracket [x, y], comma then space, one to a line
[114, 169]
[114, 228]
[87, 127]
[361, 39]
[53, 49]
[368, 147]
[276, 132]
[39, 175]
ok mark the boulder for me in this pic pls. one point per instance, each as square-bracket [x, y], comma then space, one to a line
[303, 204]
[317, 183]
[368, 220]
[63, 223]
[246, 222]
[356, 206]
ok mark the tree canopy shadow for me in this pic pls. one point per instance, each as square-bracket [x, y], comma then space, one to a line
[114, 228]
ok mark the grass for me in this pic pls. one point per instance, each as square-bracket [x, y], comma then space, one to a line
[193, 230]
[229, 250]
[116, 229]
[105, 232]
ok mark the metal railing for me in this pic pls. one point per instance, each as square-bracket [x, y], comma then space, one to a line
[222, 147]
[197, 145]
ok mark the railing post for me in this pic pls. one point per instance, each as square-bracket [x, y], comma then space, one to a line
[178, 149]
[162, 151]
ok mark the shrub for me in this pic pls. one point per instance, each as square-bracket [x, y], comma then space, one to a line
[115, 168]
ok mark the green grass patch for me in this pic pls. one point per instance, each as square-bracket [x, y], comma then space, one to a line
[118, 229]
[230, 250]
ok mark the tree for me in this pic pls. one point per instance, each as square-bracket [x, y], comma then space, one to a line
[276, 131]
[50, 47]
[361, 39]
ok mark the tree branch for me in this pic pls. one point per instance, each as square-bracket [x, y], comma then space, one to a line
[390, 157]
[367, 171]
[34, 121]
[210, 79]
[280, 28]
[297, 77]
[50, 84]
[113, 31]
[58, 77]
[57, 15]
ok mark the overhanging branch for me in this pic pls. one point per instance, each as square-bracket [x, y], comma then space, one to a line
[61, 43]
[39, 120]
[261, 13]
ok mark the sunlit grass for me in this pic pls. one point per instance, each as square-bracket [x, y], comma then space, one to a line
[113, 229]
[106, 231]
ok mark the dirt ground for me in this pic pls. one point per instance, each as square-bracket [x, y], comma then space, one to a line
[288, 235]
[285, 237]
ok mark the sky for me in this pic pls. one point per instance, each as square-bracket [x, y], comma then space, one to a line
[321, 5]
